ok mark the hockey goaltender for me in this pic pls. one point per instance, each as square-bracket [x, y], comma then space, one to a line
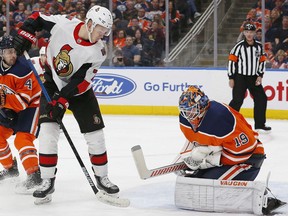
[224, 156]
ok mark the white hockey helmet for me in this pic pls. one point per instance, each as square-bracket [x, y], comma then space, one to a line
[100, 16]
[42, 51]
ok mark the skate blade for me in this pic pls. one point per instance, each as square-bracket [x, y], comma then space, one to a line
[44, 200]
[112, 199]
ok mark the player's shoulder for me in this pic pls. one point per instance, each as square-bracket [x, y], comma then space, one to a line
[240, 43]
[21, 67]
[218, 121]
[258, 43]
[100, 50]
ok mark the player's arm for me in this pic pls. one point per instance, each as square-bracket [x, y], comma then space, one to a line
[24, 95]
[233, 61]
[26, 34]
[262, 62]
[80, 82]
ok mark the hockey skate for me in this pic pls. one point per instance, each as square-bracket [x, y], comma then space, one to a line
[28, 186]
[104, 184]
[44, 193]
[11, 172]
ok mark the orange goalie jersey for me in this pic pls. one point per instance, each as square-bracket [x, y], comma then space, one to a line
[21, 86]
[225, 127]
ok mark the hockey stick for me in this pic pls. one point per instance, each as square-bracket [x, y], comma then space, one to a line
[115, 201]
[145, 173]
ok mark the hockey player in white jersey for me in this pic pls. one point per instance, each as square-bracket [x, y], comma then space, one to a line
[74, 54]
[39, 62]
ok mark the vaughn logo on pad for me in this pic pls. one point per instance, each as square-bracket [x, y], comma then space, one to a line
[112, 85]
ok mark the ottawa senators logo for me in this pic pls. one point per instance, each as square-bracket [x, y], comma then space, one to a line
[62, 63]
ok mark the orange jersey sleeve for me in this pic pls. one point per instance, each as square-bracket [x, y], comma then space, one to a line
[21, 87]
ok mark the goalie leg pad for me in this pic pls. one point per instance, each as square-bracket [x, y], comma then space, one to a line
[219, 195]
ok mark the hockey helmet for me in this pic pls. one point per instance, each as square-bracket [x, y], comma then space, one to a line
[249, 27]
[100, 16]
[193, 104]
[6, 42]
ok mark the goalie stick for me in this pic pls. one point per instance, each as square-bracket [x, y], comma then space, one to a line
[145, 173]
[102, 197]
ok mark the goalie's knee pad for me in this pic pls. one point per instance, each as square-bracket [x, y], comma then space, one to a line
[219, 195]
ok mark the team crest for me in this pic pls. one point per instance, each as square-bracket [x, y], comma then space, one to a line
[62, 62]
[96, 119]
[257, 54]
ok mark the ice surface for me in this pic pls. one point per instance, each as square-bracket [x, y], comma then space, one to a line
[161, 139]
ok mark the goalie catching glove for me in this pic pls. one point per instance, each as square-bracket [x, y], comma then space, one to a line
[202, 157]
[57, 107]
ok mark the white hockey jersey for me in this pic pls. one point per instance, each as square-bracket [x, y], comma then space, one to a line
[67, 52]
[37, 64]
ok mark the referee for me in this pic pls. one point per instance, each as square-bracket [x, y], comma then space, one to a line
[246, 67]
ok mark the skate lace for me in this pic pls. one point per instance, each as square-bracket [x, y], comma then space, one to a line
[106, 182]
[45, 184]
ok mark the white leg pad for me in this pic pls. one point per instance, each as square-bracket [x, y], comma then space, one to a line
[219, 195]
[48, 138]
[48, 144]
[96, 142]
[96, 146]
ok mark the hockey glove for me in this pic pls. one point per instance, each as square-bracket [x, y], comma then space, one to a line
[8, 117]
[57, 107]
[23, 40]
[203, 157]
[2, 97]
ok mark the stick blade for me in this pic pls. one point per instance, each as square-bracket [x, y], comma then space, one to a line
[140, 162]
[111, 200]
[136, 148]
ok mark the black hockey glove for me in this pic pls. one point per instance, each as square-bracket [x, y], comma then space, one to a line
[8, 117]
[23, 40]
[57, 107]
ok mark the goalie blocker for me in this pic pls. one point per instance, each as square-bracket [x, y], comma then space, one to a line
[224, 196]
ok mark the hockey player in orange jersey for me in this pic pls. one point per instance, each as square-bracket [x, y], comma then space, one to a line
[225, 131]
[19, 110]
[221, 147]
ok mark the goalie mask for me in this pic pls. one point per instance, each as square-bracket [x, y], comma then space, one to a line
[99, 16]
[193, 104]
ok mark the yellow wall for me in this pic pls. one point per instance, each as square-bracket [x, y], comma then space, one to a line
[172, 110]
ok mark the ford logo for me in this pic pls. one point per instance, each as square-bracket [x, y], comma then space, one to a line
[112, 85]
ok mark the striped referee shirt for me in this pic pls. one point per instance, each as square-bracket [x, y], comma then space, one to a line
[245, 59]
